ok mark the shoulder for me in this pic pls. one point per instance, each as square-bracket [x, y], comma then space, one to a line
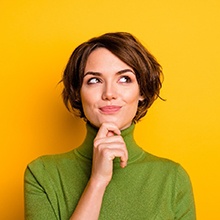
[159, 161]
[47, 162]
[47, 168]
[165, 166]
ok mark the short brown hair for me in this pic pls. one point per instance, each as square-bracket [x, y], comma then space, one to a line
[128, 49]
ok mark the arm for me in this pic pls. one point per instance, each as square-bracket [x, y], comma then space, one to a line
[108, 144]
[184, 200]
[37, 204]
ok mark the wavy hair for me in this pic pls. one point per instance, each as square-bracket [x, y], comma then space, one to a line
[128, 49]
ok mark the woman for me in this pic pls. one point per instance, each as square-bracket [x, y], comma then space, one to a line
[110, 81]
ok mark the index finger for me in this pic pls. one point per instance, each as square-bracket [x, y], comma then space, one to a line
[107, 129]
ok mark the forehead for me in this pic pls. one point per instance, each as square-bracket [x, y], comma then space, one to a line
[102, 59]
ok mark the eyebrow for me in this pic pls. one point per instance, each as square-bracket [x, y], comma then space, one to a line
[99, 74]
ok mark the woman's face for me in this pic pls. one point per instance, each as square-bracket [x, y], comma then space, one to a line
[109, 92]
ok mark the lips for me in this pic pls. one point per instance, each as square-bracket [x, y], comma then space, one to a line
[110, 109]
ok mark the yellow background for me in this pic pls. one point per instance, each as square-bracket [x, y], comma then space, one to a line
[37, 38]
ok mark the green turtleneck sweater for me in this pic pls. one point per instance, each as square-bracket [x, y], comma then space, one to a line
[148, 188]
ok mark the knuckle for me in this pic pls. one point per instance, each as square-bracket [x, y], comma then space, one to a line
[108, 154]
[96, 142]
[105, 124]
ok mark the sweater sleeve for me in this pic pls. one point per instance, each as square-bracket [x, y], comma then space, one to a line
[38, 205]
[184, 200]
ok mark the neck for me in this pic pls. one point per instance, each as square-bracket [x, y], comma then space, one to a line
[86, 149]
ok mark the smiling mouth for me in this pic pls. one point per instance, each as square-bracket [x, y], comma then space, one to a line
[110, 109]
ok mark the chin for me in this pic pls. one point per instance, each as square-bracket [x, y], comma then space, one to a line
[120, 125]
[115, 120]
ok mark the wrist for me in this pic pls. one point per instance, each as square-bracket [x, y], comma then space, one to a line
[98, 184]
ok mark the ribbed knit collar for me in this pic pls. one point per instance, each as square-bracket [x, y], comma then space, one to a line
[134, 151]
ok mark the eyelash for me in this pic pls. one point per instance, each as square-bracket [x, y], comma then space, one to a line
[97, 80]
[127, 78]
[93, 78]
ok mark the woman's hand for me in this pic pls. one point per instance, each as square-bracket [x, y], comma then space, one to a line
[108, 144]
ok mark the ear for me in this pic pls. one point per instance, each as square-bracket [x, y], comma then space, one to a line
[141, 98]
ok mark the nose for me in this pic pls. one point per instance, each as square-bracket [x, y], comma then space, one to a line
[109, 92]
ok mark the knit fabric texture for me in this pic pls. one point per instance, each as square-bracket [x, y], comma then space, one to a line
[148, 188]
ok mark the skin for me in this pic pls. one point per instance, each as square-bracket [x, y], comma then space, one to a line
[109, 90]
[110, 95]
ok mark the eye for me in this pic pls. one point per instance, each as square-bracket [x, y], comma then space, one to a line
[125, 79]
[93, 80]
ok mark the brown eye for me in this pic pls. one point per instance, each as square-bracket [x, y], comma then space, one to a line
[93, 80]
[125, 79]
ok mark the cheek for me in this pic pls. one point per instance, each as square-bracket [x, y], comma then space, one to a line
[84, 94]
[84, 100]
[89, 99]
[132, 96]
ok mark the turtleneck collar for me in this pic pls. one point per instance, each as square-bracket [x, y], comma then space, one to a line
[134, 151]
